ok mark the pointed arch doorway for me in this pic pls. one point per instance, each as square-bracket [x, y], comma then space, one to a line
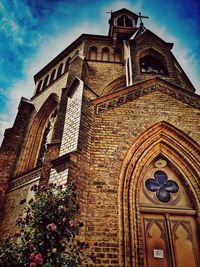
[159, 200]
[168, 225]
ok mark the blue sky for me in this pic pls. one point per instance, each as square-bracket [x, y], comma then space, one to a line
[32, 32]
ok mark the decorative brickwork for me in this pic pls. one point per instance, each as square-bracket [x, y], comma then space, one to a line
[131, 93]
[24, 180]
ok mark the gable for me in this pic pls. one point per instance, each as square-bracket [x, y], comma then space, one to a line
[149, 35]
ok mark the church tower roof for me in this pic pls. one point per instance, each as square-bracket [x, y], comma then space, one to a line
[123, 24]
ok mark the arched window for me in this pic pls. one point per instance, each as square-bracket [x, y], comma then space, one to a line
[117, 55]
[93, 53]
[30, 153]
[46, 138]
[128, 22]
[45, 82]
[52, 76]
[67, 64]
[124, 21]
[120, 21]
[39, 87]
[59, 73]
[105, 54]
[152, 62]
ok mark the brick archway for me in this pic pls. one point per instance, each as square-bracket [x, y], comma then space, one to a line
[115, 85]
[165, 139]
[30, 151]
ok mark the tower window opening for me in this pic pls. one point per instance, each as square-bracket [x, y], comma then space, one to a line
[39, 87]
[45, 82]
[124, 21]
[52, 76]
[128, 22]
[60, 70]
[120, 21]
[117, 55]
[105, 55]
[151, 64]
[93, 53]
[67, 64]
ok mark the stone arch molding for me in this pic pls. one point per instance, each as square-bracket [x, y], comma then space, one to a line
[28, 158]
[161, 139]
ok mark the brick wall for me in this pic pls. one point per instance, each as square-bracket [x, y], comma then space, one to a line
[9, 154]
[114, 132]
[70, 136]
[102, 73]
[18, 190]
[59, 175]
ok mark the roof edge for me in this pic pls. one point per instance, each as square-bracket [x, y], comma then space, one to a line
[67, 50]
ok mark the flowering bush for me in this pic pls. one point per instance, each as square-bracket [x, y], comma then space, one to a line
[48, 231]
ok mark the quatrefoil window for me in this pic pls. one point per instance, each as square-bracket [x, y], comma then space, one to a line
[162, 186]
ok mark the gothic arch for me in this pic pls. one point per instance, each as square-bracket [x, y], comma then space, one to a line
[152, 62]
[179, 148]
[31, 149]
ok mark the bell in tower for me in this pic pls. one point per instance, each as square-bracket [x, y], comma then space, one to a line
[123, 24]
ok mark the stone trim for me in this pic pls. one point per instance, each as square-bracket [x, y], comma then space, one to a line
[24, 180]
[124, 97]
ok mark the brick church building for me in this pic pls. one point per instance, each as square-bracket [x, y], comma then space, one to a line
[117, 115]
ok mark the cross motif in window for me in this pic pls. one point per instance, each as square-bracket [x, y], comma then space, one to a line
[162, 186]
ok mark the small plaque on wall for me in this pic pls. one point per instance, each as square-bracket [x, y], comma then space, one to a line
[158, 253]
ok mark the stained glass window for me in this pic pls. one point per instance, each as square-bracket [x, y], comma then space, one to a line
[162, 186]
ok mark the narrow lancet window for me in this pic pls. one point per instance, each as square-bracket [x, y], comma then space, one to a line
[105, 56]
[93, 53]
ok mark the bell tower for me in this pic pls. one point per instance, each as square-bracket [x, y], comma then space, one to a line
[123, 24]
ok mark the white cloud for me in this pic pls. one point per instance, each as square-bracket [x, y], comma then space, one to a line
[9, 25]
[54, 45]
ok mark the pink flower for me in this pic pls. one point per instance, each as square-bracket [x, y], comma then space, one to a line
[54, 250]
[32, 256]
[32, 264]
[64, 219]
[38, 258]
[52, 227]
[72, 223]
[32, 246]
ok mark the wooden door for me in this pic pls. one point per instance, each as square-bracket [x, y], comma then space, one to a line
[169, 241]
